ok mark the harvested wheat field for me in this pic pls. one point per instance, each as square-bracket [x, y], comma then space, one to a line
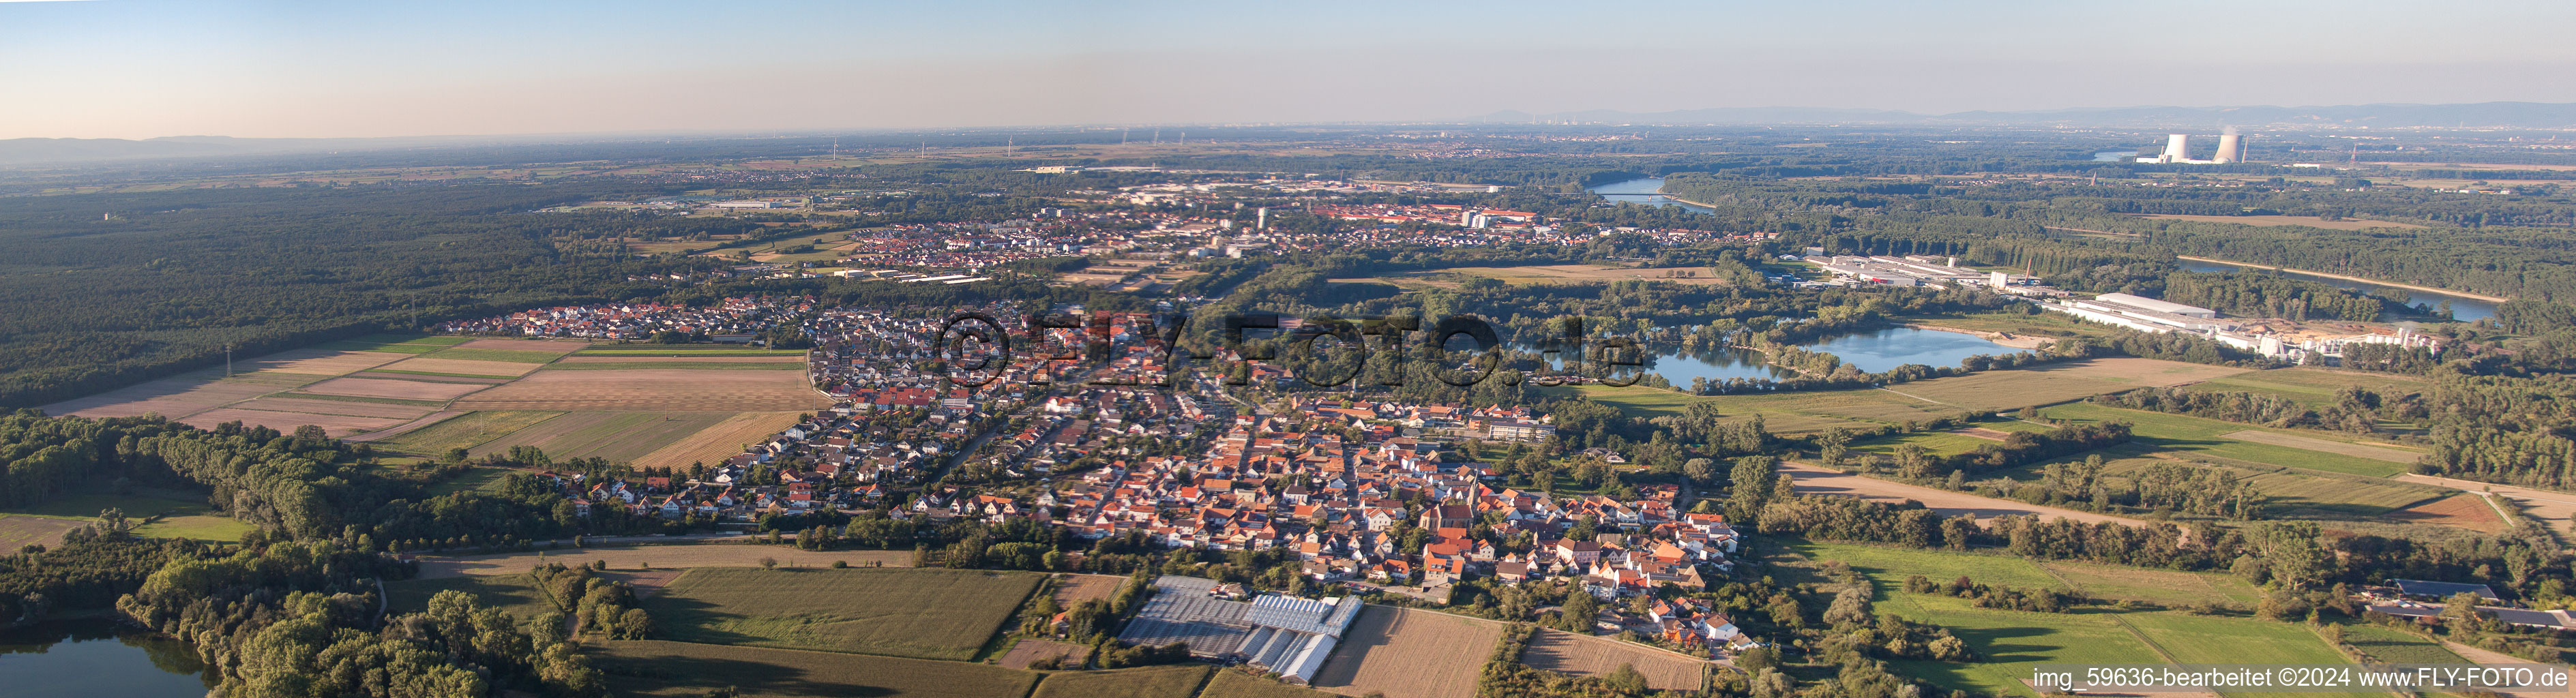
[610, 359]
[2557, 510]
[21, 531]
[1582, 655]
[318, 362]
[338, 407]
[654, 557]
[676, 390]
[617, 436]
[2340, 448]
[334, 424]
[1410, 653]
[170, 397]
[392, 388]
[721, 440]
[1073, 589]
[494, 369]
[2467, 511]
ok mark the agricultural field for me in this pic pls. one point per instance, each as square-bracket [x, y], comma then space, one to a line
[711, 363]
[396, 343]
[2397, 646]
[2214, 640]
[659, 557]
[178, 518]
[720, 440]
[921, 613]
[2467, 511]
[685, 350]
[2291, 491]
[398, 389]
[1890, 566]
[1073, 589]
[1179, 681]
[440, 365]
[676, 390]
[664, 669]
[1584, 655]
[1990, 391]
[694, 358]
[475, 352]
[465, 431]
[2215, 439]
[516, 593]
[1985, 432]
[1029, 651]
[336, 407]
[22, 531]
[2161, 587]
[1230, 683]
[1409, 653]
[556, 347]
[2557, 510]
[334, 424]
[1814, 480]
[2311, 386]
[617, 436]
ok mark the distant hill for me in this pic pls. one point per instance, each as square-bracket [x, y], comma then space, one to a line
[2482, 115]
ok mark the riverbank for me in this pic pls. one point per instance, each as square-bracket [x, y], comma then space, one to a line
[2354, 279]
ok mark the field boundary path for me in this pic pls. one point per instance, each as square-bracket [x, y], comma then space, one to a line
[1815, 480]
[2490, 657]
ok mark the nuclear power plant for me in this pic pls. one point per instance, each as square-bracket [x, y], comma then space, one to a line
[2231, 148]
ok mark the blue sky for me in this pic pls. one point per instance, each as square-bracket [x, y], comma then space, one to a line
[287, 69]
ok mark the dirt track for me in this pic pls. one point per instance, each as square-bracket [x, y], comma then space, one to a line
[1815, 480]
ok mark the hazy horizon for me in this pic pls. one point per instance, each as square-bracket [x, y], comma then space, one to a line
[302, 70]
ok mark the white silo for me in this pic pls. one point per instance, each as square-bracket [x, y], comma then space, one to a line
[2231, 147]
[2177, 147]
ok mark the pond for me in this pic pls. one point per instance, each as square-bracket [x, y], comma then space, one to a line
[1643, 191]
[2463, 308]
[88, 659]
[1873, 351]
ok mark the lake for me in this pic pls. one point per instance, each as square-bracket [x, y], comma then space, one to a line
[2115, 156]
[1643, 191]
[1872, 351]
[2463, 308]
[88, 659]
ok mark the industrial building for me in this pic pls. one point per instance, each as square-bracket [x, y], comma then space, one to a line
[2143, 314]
[1919, 270]
[1286, 635]
[2231, 149]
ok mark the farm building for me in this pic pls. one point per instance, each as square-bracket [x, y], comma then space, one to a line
[1283, 634]
[2438, 590]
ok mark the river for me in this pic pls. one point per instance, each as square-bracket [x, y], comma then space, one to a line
[1643, 191]
[2463, 308]
[90, 659]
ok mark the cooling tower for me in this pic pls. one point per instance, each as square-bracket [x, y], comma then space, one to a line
[2177, 147]
[2231, 148]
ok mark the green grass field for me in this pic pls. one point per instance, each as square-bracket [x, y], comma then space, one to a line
[2163, 587]
[2311, 386]
[921, 613]
[463, 431]
[2290, 491]
[515, 593]
[2397, 647]
[691, 365]
[474, 480]
[397, 343]
[2008, 641]
[180, 518]
[1180, 681]
[1944, 443]
[662, 669]
[2194, 435]
[2223, 640]
[521, 356]
[1229, 683]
